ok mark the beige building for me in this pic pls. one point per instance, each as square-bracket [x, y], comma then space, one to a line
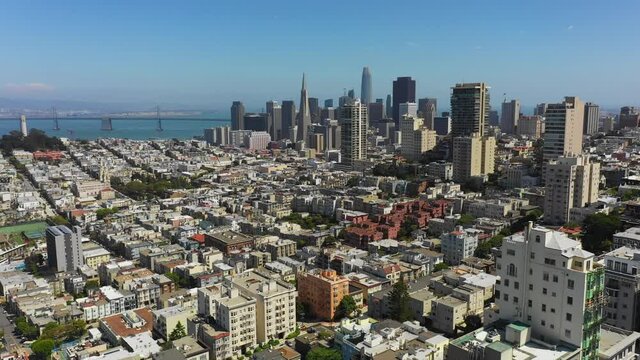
[563, 128]
[532, 126]
[94, 257]
[354, 120]
[416, 138]
[231, 311]
[569, 182]
[473, 156]
[165, 320]
[275, 303]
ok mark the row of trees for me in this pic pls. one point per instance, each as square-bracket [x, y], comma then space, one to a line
[143, 187]
[36, 140]
[310, 221]
[51, 336]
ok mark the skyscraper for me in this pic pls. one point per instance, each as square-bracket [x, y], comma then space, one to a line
[428, 108]
[332, 134]
[288, 117]
[237, 115]
[629, 117]
[304, 115]
[591, 118]
[23, 125]
[389, 108]
[404, 91]
[365, 87]
[509, 117]
[540, 109]
[256, 122]
[275, 127]
[563, 128]
[64, 248]
[408, 108]
[469, 108]
[353, 120]
[569, 182]
[314, 110]
[376, 113]
[328, 103]
[351, 94]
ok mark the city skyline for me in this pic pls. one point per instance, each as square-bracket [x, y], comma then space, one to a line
[128, 54]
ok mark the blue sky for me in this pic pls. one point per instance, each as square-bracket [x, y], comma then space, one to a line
[208, 53]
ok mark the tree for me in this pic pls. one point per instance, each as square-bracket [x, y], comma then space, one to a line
[598, 230]
[178, 332]
[329, 241]
[441, 266]
[465, 219]
[399, 302]
[484, 249]
[346, 307]
[42, 348]
[28, 330]
[321, 353]
[353, 182]
[301, 310]
[59, 220]
[472, 322]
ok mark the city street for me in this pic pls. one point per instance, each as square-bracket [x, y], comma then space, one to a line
[10, 339]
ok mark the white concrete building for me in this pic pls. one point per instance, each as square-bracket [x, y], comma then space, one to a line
[458, 245]
[550, 283]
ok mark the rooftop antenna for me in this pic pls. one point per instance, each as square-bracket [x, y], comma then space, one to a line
[54, 114]
[159, 128]
[504, 100]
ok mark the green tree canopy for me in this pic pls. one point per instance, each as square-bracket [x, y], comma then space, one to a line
[598, 230]
[42, 348]
[346, 307]
[399, 302]
[178, 332]
[321, 353]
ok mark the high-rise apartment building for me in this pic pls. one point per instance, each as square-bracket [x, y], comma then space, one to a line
[304, 115]
[591, 118]
[219, 136]
[275, 303]
[622, 283]
[494, 118]
[237, 115]
[328, 113]
[540, 109]
[531, 126]
[416, 138]
[288, 118]
[629, 117]
[469, 108]
[563, 128]
[458, 245]
[257, 140]
[275, 113]
[509, 117]
[550, 283]
[404, 91]
[365, 86]
[231, 311]
[473, 156]
[64, 248]
[428, 110]
[322, 291]
[353, 120]
[569, 182]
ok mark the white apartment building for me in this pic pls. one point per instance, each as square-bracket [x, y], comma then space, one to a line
[416, 138]
[569, 182]
[459, 244]
[550, 283]
[629, 238]
[275, 304]
[234, 312]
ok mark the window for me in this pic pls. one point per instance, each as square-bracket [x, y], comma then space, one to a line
[515, 299]
[511, 252]
[505, 297]
[569, 317]
[538, 238]
[529, 303]
[570, 284]
[528, 317]
[567, 333]
[545, 276]
[555, 278]
[544, 291]
[549, 261]
[617, 266]
[516, 285]
[543, 323]
[530, 286]
[544, 307]
[610, 264]
[532, 255]
[624, 267]
[506, 282]
[512, 271]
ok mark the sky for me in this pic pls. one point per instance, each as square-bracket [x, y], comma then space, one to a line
[205, 54]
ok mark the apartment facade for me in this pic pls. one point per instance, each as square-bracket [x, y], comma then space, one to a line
[473, 156]
[322, 290]
[550, 283]
[458, 245]
[563, 128]
[622, 287]
[569, 182]
[416, 138]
